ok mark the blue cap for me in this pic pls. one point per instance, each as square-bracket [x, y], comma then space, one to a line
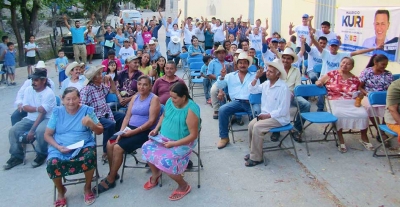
[305, 16]
[274, 40]
[334, 42]
[282, 40]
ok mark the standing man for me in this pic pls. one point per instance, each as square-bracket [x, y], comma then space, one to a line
[325, 30]
[255, 38]
[301, 31]
[3, 48]
[199, 32]
[314, 58]
[169, 25]
[39, 101]
[214, 70]
[78, 39]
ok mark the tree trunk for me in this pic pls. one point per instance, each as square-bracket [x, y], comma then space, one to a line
[25, 19]
[14, 25]
[33, 19]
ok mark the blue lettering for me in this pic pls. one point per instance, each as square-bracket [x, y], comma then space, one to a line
[317, 60]
[332, 64]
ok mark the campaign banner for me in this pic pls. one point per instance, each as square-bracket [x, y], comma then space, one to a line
[369, 27]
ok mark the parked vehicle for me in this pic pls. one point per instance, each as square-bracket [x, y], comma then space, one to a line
[66, 42]
[128, 16]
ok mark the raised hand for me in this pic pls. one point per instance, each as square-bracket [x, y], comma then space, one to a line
[259, 73]
[380, 47]
[310, 18]
[291, 25]
[223, 71]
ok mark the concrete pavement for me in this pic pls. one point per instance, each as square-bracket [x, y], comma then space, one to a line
[326, 178]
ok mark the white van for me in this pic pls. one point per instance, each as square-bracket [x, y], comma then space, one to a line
[128, 16]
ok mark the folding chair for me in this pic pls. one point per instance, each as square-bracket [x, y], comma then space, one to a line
[396, 76]
[187, 70]
[75, 181]
[240, 114]
[208, 51]
[379, 98]
[112, 101]
[256, 99]
[195, 68]
[315, 117]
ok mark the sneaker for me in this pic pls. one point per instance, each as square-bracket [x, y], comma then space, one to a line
[12, 162]
[39, 160]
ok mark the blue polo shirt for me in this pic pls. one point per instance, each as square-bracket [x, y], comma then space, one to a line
[155, 30]
[214, 68]
[78, 35]
[209, 39]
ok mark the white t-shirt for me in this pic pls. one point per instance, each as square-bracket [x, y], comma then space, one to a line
[331, 62]
[124, 53]
[314, 57]
[268, 57]
[188, 36]
[256, 42]
[200, 34]
[219, 35]
[78, 85]
[329, 36]
[21, 91]
[45, 98]
[28, 46]
[177, 33]
[302, 31]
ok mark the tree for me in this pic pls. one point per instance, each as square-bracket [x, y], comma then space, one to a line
[29, 11]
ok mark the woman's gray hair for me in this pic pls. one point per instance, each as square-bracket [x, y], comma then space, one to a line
[348, 58]
[70, 90]
[145, 77]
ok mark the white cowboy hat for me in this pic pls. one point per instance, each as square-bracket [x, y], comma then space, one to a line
[238, 51]
[70, 67]
[151, 42]
[90, 73]
[40, 64]
[244, 56]
[175, 39]
[219, 49]
[289, 51]
[278, 65]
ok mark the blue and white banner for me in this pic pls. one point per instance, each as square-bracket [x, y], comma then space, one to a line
[369, 27]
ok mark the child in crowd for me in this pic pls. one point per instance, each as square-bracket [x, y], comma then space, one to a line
[216, 45]
[30, 49]
[3, 48]
[112, 71]
[184, 51]
[125, 51]
[9, 62]
[146, 48]
[61, 64]
[139, 53]
[206, 81]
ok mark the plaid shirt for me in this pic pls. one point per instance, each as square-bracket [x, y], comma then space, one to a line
[128, 84]
[95, 96]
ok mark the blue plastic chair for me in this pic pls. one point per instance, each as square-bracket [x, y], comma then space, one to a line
[112, 100]
[304, 80]
[238, 114]
[195, 68]
[315, 117]
[396, 76]
[184, 57]
[252, 68]
[379, 98]
[256, 99]
[208, 51]
[317, 68]
[58, 101]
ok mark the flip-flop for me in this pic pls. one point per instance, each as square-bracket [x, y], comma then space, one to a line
[89, 198]
[342, 148]
[246, 157]
[60, 203]
[367, 145]
[149, 185]
[178, 194]
[252, 163]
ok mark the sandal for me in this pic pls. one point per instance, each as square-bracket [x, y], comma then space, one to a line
[342, 148]
[89, 198]
[252, 163]
[60, 203]
[177, 195]
[246, 157]
[103, 189]
[275, 136]
[296, 136]
[149, 185]
[367, 145]
[239, 122]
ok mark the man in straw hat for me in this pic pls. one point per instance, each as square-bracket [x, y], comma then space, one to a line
[19, 114]
[174, 49]
[237, 84]
[214, 70]
[94, 94]
[39, 101]
[293, 79]
[275, 104]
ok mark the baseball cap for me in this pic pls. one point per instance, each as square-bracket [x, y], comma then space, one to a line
[334, 42]
[274, 40]
[282, 40]
[305, 16]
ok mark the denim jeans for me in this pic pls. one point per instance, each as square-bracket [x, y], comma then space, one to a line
[110, 127]
[304, 106]
[106, 49]
[207, 88]
[167, 40]
[17, 116]
[228, 110]
[176, 59]
[313, 76]
[320, 103]
[24, 126]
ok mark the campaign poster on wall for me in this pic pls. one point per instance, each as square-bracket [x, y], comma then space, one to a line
[369, 27]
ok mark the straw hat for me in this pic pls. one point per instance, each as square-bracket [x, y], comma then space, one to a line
[244, 56]
[278, 65]
[219, 49]
[289, 51]
[70, 67]
[91, 73]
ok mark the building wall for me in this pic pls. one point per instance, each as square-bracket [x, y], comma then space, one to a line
[292, 11]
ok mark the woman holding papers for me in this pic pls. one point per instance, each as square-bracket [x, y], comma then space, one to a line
[68, 126]
[172, 140]
[141, 117]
